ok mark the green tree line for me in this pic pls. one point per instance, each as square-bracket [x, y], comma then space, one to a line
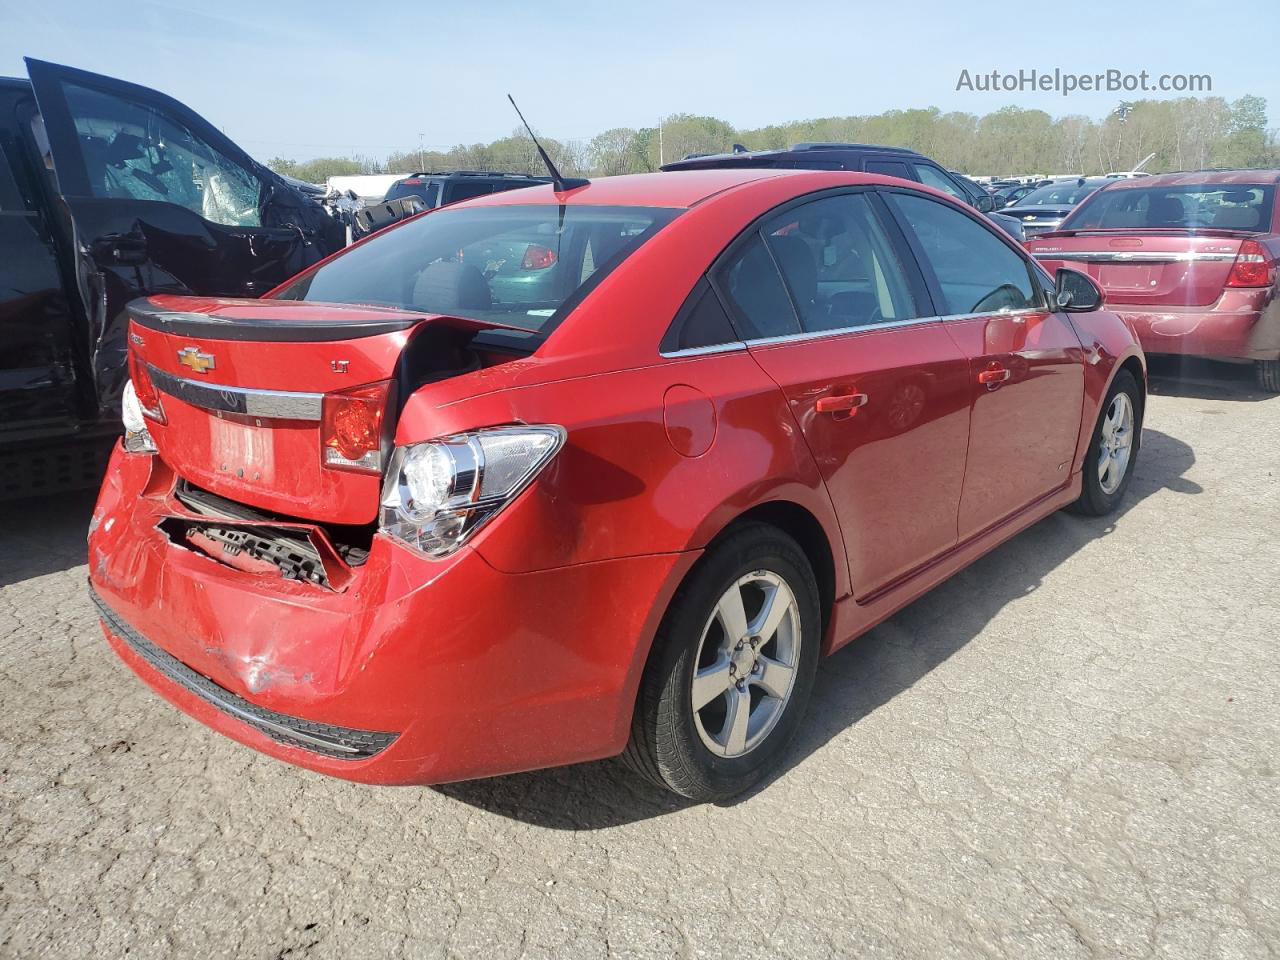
[1184, 134]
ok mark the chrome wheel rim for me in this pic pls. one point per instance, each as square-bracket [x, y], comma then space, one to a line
[1115, 444]
[746, 664]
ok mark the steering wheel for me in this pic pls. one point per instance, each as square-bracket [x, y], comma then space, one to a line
[1009, 293]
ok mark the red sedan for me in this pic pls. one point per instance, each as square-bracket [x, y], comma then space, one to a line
[401, 523]
[1189, 259]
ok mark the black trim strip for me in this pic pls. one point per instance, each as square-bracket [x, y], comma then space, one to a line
[271, 404]
[341, 743]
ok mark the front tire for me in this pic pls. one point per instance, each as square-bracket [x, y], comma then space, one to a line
[1268, 374]
[1113, 451]
[732, 668]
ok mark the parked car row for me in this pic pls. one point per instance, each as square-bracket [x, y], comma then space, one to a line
[573, 469]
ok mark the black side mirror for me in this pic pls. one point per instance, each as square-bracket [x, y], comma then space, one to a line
[1075, 292]
[985, 204]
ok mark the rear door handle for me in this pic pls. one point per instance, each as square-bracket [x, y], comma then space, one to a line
[993, 375]
[840, 402]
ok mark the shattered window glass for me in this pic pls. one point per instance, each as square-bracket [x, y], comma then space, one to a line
[134, 152]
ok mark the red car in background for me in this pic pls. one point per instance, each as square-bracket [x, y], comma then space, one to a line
[1188, 258]
[392, 525]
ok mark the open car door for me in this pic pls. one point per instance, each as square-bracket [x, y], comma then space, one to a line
[162, 202]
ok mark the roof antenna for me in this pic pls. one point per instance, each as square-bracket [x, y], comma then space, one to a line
[560, 183]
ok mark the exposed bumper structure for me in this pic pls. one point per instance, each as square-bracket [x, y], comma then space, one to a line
[414, 671]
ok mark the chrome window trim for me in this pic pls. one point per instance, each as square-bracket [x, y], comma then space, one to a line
[1132, 256]
[270, 404]
[840, 331]
[731, 347]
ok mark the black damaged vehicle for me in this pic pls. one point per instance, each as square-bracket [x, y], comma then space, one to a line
[111, 191]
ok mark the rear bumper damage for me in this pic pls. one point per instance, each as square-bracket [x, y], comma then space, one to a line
[412, 671]
[1244, 324]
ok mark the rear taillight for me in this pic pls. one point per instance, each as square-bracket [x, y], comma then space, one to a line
[1253, 268]
[351, 428]
[537, 257]
[148, 396]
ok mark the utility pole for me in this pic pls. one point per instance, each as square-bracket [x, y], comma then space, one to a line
[661, 161]
[421, 164]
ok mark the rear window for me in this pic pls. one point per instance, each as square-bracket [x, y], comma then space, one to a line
[1233, 206]
[1058, 195]
[517, 265]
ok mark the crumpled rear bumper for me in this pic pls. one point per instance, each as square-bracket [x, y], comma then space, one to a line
[436, 669]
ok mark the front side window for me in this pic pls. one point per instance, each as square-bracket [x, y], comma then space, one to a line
[930, 177]
[839, 266]
[976, 271]
[134, 152]
[516, 265]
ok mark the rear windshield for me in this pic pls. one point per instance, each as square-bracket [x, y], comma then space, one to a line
[1223, 206]
[516, 265]
[1058, 195]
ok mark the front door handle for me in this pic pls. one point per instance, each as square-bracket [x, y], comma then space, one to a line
[993, 375]
[840, 402]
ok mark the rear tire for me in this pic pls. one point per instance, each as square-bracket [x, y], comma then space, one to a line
[1268, 374]
[754, 663]
[1105, 482]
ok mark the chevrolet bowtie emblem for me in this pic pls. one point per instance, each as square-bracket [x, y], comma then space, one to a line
[197, 361]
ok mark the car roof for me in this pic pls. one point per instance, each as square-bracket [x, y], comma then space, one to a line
[675, 188]
[746, 156]
[1193, 177]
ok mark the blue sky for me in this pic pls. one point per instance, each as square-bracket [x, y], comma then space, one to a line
[334, 78]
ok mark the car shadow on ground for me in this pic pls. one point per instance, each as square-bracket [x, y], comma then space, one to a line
[858, 679]
[39, 536]
[1198, 378]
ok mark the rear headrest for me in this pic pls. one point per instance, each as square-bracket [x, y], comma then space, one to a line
[1165, 211]
[447, 285]
[1236, 218]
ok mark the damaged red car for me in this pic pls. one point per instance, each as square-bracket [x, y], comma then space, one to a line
[551, 476]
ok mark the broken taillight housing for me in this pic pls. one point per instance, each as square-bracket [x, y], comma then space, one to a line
[1253, 268]
[148, 396]
[439, 493]
[351, 435]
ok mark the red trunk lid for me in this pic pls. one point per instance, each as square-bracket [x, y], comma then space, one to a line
[1164, 268]
[241, 384]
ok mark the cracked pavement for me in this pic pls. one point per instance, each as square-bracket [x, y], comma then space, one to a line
[1068, 750]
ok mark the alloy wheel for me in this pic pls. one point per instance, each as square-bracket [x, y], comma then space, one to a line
[746, 664]
[1115, 443]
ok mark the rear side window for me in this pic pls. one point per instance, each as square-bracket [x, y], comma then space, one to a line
[134, 152]
[702, 322]
[976, 271]
[10, 200]
[465, 190]
[840, 268]
[756, 290]
[428, 190]
[1245, 207]
[517, 265]
[888, 168]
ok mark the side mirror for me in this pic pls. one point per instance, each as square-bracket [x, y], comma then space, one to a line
[986, 204]
[1075, 292]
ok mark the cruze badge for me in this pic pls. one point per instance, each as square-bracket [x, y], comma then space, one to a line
[197, 361]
